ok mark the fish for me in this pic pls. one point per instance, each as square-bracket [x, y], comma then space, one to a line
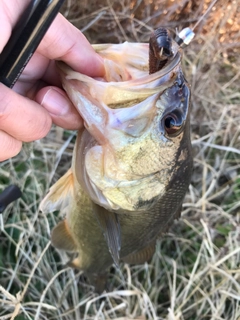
[132, 161]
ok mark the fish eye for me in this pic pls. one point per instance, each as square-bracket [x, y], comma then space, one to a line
[173, 124]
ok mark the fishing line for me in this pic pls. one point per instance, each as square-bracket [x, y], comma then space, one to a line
[204, 15]
[186, 35]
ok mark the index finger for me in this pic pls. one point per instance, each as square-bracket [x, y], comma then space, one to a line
[65, 42]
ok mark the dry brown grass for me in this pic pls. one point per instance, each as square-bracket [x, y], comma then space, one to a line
[195, 273]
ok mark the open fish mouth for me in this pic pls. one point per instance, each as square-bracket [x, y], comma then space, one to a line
[125, 81]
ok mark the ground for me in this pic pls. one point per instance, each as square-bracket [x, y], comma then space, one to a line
[195, 273]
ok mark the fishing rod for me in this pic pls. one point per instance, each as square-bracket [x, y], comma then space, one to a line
[26, 36]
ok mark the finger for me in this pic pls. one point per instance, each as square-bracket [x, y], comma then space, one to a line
[65, 42]
[9, 146]
[21, 117]
[60, 108]
[39, 67]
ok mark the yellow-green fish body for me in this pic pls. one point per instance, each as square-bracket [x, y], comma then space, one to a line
[131, 165]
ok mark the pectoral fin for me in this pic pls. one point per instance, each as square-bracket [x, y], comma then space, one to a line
[59, 194]
[111, 229]
[75, 263]
[61, 237]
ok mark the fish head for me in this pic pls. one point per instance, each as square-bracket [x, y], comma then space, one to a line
[137, 139]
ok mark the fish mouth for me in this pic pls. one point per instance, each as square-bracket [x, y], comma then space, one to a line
[96, 106]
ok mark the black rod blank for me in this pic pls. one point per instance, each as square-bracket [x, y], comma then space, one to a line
[25, 38]
[10, 194]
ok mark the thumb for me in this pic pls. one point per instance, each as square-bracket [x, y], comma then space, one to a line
[22, 118]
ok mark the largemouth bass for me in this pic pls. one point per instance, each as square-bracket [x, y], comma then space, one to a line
[132, 162]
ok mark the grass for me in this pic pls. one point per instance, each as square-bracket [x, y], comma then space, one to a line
[195, 272]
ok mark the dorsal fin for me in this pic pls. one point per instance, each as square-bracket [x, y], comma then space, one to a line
[111, 230]
[61, 237]
[59, 194]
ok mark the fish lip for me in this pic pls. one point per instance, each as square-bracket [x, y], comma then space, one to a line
[168, 69]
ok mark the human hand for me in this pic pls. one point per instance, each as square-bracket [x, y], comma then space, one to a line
[28, 110]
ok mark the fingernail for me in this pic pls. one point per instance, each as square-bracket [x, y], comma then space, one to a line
[55, 103]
